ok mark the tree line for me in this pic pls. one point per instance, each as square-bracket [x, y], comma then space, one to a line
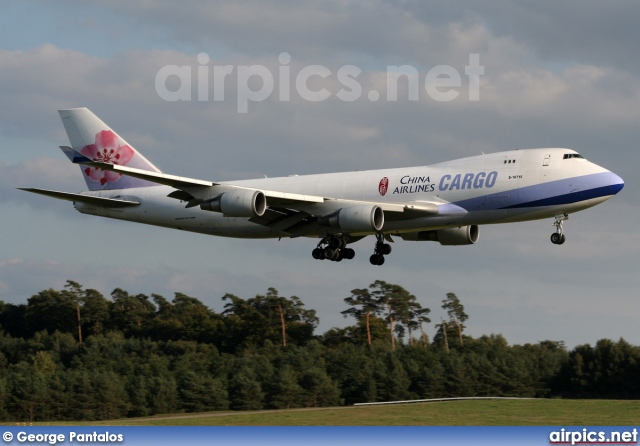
[73, 354]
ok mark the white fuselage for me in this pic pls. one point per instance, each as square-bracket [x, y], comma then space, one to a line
[486, 189]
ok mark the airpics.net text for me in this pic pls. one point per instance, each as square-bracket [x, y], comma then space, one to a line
[256, 83]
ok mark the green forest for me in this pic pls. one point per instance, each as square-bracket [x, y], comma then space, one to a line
[74, 354]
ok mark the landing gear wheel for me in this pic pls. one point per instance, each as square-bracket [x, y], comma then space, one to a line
[318, 254]
[329, 253]
[336, 243]
[558, 239]
[386, 249]
[376, 259]
[347, 253]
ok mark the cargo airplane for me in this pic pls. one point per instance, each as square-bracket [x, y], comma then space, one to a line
[444, 202]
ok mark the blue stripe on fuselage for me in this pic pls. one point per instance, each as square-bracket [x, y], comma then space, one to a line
[565, 191]
[572, 197]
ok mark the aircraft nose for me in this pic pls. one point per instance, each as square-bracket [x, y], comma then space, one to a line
[615, 183]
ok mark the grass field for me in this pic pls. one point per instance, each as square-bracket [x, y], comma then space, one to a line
[452, 413]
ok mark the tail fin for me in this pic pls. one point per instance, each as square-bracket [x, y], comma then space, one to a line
[94, 139]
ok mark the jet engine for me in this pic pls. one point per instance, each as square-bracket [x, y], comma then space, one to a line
[238, 203]
[355, 219]
[464, 235]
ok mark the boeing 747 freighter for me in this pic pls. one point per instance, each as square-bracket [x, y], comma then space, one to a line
[445, 202]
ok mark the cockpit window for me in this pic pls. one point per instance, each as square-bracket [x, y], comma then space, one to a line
[572, 155]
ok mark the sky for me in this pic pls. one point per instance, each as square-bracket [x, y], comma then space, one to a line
[555, 75]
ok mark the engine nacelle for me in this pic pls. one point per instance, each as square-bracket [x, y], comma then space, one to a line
[238, 203]
[465, 235]
[355, 219]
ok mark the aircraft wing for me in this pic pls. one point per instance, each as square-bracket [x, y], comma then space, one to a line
[276, 197]
[107, 202]
[287, 212]
[157, 177]
[182, 183]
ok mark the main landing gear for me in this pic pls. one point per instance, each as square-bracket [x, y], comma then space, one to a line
[558, 238]
[382, 249]
[333, 247]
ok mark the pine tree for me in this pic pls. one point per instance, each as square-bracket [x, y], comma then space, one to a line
[456, 313]
[245, 391]
[364, 305]
[287, 393]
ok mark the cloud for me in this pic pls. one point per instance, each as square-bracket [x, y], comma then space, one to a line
[305, 27]
[553, 34]
[572, 31]
[41, 172]
[44, 173]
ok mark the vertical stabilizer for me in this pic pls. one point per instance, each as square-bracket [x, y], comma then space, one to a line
[97, 141]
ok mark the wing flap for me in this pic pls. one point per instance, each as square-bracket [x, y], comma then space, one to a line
[422, 207]
[287, 197]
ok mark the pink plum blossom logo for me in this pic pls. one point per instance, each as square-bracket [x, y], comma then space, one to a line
[107, 149]
[383, 187]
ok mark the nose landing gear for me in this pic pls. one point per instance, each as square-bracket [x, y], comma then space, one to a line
[558, 238]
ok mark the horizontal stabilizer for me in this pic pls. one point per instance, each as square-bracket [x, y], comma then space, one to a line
[74, 157]
[107, 202]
